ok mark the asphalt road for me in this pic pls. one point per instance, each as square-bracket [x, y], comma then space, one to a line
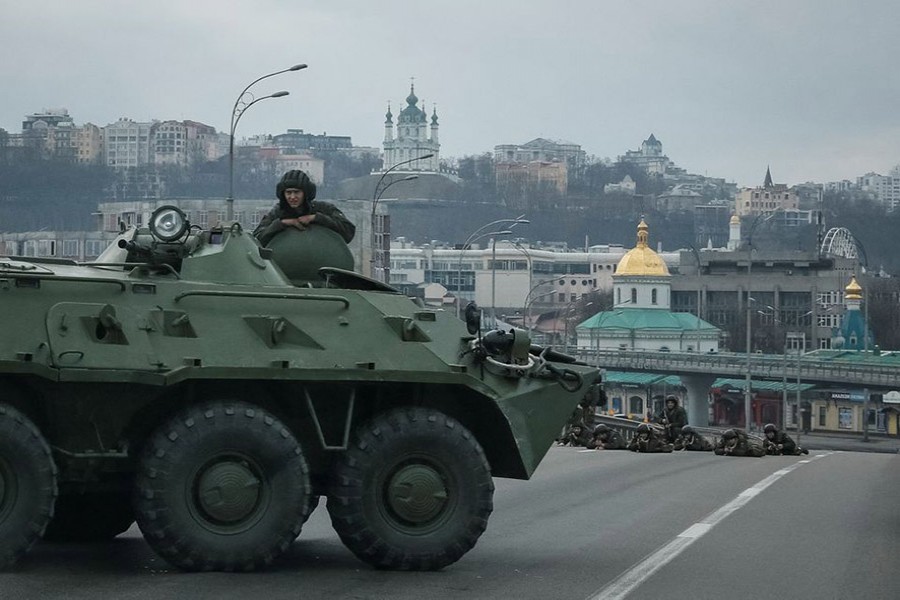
[590, 524]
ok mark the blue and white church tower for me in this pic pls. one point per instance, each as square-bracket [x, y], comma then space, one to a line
[410, 138]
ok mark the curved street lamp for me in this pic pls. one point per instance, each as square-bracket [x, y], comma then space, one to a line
[476, 235]
[375, 200]
[243, 102]
[376, 196]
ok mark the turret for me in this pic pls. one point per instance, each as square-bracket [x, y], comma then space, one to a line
[734, 232]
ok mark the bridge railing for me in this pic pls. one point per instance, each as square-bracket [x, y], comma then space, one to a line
[730, 364]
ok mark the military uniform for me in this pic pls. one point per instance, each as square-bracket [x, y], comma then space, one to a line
[673, 419]
[736, 442]
[575, 436]
[690, 439]
[606, 439]
[327, 215]
[781, 443]
[649, 439]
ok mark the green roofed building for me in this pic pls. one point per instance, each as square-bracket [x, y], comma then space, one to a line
[641, 318]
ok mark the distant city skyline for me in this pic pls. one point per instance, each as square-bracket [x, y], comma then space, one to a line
[802, 87]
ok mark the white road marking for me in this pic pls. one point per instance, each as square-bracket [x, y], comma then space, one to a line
[628, 581]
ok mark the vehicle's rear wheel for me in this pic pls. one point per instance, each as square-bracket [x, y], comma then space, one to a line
[27, 484]
[222, 488]
[413, 492]
[90, 517]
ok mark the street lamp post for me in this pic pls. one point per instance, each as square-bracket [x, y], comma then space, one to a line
[865, 296]
[699, 290]
[375, 242]
[376, 195]
[243, 102]
[566, 315]
[478, 234]
[462, 252]
[761, 218]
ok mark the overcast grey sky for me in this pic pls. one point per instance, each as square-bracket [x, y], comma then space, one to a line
[810, 87]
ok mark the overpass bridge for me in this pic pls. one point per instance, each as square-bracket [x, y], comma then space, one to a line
[856, 369]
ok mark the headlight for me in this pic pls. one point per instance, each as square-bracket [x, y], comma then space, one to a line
[168, 223]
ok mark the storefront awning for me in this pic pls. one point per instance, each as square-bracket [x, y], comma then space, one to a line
[761, 385]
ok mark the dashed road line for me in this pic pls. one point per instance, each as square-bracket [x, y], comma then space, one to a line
[628, 581]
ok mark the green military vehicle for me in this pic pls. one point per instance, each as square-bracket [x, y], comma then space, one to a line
[184, 381]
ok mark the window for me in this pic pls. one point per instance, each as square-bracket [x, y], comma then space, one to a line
[70, 248]
[823, 411]
[46, 248]
[94, 248]
[636, 405]
[561, 297]
[634, 295]
[618, 296]
[653, 296]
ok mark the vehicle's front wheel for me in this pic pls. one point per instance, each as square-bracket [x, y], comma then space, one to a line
[413, 492]
[90, 517]
[27, 484]
[222, 488]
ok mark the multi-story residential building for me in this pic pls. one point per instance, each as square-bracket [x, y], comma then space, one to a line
[535, 174]
[74, 245]
[542, 150]
[296, 141]
[88, 143]
[411, 138]
[884, 188]
[182, 143]
[126, 143]
[768, 198]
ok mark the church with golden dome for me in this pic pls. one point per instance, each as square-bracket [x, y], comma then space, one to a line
[641, 317]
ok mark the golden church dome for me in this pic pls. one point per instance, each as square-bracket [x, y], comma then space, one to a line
[735, 220]
[642, 260]
[853, 291]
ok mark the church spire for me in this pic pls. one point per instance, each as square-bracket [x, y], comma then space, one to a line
[768, 182]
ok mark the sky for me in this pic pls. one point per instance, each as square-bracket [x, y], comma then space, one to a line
[809, 88]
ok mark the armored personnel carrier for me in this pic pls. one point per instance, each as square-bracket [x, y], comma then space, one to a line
[184, 381]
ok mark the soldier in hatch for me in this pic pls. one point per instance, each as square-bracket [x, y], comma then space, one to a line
[606, 439]
[298, 208]
[691, 439]
[649, 438]
[779, 442]
[673, 418]
[736, 442]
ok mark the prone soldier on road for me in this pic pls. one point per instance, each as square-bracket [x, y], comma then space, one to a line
[779, 442]
[736, 442]
[649, 438]
[575, 435]
[673, 418]
[606, 439]
[691, 439]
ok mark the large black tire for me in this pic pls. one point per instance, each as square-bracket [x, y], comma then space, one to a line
[90, 517]
[413, 492]
[222, 488]
[27, 485]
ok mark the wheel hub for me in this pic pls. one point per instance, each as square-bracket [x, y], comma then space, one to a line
[417, 494]
[228, 492]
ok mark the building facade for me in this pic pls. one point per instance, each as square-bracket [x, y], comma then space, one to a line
[767, 199]
[542, 150]
[412, 137]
